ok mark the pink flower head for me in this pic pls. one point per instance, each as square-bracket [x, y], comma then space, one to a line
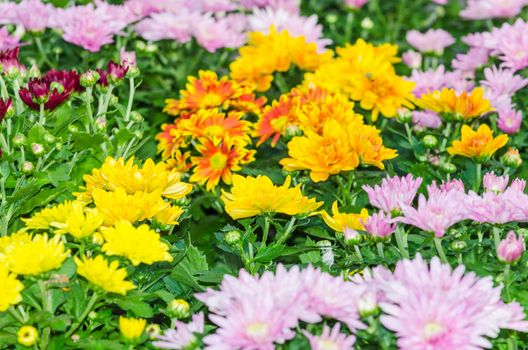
[356, 3]
[459, 80]
[440, 2]
[206, 29]
[483, 9]
[183, 336]
[509, 121]
[435, 307]
[7, 41]
[412, 59]
[427, 81]
[34, 15]
[511, 45]
[174, 26]
[473, 59]
[379, 225]
[490, 208]
[426, 120]
[393, 193]
[331, 339]
[445, 187]
[292, 6]
[434, 40]
[494, 183]
[503, 81]
[127, 58]
[436, 214]
[510, 249]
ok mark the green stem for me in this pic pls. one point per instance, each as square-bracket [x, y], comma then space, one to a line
[40, 48]
[348, 26]
[42, 115]
[130, 99]
[265, 230]
[379, 246]
[409, 134]
[46, 297]
[88, 103]
[3, 88]
[512, 344]
[106, 102]
[15, 314]
[496, 237]
[18, 102]
[447, 131]
[85, 313]
[358, 252]
[506, 278]
[287, 231]
[478, 177]
[440, 249]
[399, 234]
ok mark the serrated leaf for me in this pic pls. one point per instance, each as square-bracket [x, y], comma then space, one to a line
[267, 254]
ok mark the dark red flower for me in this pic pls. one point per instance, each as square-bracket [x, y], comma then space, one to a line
[103, 81]
[4, 107]
[69, 79]
[115, 71]
[40, 91]
[10, 63]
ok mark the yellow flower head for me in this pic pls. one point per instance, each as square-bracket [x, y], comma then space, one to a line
[35, 256]
[118, 174]
[139, 245]
[368, 144]
[11, 288]
[169, 215]
[80, 222]
[118, 205]
[252, 196]
[49, 217]
[339, 222]
[463, 107]
[27, 336]
[277, 119]
[479, 145]
[131, 328]
[324, 155]
[274, 52]
[107, 276]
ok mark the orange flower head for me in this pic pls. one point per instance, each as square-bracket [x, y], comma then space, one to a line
[464, 107]
[276, 119]
[368, 144]
[479, 145]
[170, 140]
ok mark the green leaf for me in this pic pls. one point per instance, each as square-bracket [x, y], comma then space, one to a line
[267, 254]
[138, 307]
[193, 263]
[83, 141]
[60, 323]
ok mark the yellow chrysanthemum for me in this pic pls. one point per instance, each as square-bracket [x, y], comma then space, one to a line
[137, 244]
[339, 222]
[49, 217]
[460, 107]
[324, 155]
[479, 145]
[131, 328]
[368, 144]
[252, 196]
[107, 276]
[118, 174]
[274, 52]
[80, 222]
[27, 336]
[169, 215]
[10, 289]
[35, 256]
[118, 205]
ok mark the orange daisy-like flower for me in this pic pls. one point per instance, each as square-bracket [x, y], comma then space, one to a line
[217, 126]
[169, 140]
[218, 162]
[368, 144]
[277, 119]
[479, 145]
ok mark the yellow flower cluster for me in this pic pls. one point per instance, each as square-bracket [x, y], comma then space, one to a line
[365, 73]
[251, 196]
[340, 222]
[266, 54]
[210, 134]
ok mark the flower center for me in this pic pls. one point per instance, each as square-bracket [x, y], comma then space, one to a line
[279, 124]
[327, 345]
[211, 100]
[218, 161]
[432, 330]
[257, 329]
[214, 130]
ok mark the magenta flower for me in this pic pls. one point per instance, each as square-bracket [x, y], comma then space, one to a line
[379, 225]
[330, 339]
[483, 9]
[412, 59]
[5, 106]
[68, 79]
[40, 91]
[434, 40]
[510, 249]
[435, 307]
[426, 120]
[509, 121]
[494, 183]
[115, 72]
[393, 193]
[10, 64]
[184, 334]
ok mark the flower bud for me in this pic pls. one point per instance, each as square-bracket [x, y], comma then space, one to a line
[75, 338]
[89, 78]
[232, 237]
[27, 335]
[49, 138]
[113, 100]
[459, 245]
[138, 134]
[136, 117]
[179, 308]
[153, 330]
[512, 158]
[331, 18]
[101, 123]
[58, 146]
[133, 72]
[92, 315]
[27, 167]
[37, 149]
[367, 23]
[73, 128]
[429, 141]
[352, 237]
[510, 249]
[327, 255]
[449, 168]
[19, 140]
[404, 115]
[367, 304]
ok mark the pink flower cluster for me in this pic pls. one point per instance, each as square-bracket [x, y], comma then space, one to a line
[484, 9]
[435, 307]
[283, 299]
[434, 40]
[184, 334]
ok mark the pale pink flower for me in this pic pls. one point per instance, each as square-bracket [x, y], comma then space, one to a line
[446, 186]
[34, 15]
[426, 120]
[167, 25]
[296, 25]
[490, 207]
[142, 8]
[206, 31]
[494, 183]
[428, 81]
[459, 80]
[512, 45]
[379, 225]
[183, 336]
[440, 2]
[502, 81]
[509, 120]
[7, 41]
[331, 339]
[435, 307]
[412, 59]
[483, 9]
[127, 58]
[393, 193]
[470, 61]
[356, 3]
[434, 40]
[511, 248]
[292, 6]
[8, 13]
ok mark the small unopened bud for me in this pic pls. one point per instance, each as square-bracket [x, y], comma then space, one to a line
[136, 117]
[331, 18]
[367, 23]
[449, 168]
[133, 72]
[138, 134]
[404, 115]
[75, 338]
[12, 72]
[89, 78]
[459, 245]
[153, 330]
[232, 237]
[352, 237]
[113, 100]
[510, 249]
[512, 158]
[327, 255]
[429, 141]
[368, 304]
[92, 315]
[37, 149]
[19, 140]
[58, 146]
[49, 138]
[73, 128]
[27, 167]
[27, 335]
[179, 308]
[101, 123]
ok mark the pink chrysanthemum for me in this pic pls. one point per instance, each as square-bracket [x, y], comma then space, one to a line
[426, 120]
[470, 61]
[331, 339]
[427, 81]
[379, 225]
[439, 308]
[434, 40]
[183, 336]
[34, 15]
[393, 193]
[509, 120]
[356, 3]
[292, 6]
[166, 25]
[8, 41]
[494, 183]
[483, 9]
[412, 59]
[206, 29]
[490, 208]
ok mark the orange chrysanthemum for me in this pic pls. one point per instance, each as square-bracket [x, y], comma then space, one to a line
[169, 140]
[217, 162]
[368, 144]
[479, 145]
[277, 119]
